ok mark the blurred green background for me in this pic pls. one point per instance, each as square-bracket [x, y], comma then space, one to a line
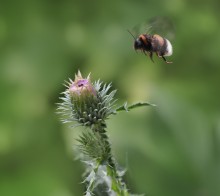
[169, 150]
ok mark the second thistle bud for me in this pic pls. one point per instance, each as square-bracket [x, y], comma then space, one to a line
[87, 103]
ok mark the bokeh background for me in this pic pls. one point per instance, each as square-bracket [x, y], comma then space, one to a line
[169, 150]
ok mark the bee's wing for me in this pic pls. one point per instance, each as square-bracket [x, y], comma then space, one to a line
[141, 28]
[156, 25]
[162, 26]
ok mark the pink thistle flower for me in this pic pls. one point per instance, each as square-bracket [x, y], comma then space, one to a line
[81, 86]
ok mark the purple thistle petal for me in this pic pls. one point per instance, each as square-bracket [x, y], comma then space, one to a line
[82, 82]
[81, 86]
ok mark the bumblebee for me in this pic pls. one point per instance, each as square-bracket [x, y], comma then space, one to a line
[150, 44]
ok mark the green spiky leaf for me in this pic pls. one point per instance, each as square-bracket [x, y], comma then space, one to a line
[127, 108]
[93, 145]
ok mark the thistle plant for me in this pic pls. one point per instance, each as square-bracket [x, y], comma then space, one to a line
[89, 105]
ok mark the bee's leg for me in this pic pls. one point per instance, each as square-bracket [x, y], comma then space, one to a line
[166, 60]
[151, 56]
[145, 52]
[158, 54]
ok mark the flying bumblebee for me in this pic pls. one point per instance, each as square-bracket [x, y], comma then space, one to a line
[150, 44]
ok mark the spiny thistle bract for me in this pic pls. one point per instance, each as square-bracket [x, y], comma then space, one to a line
[89, 105]
[85, 103]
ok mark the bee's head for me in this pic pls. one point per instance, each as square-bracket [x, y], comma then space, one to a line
[138, 44]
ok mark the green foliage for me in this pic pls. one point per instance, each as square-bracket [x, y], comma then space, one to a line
[126, 108]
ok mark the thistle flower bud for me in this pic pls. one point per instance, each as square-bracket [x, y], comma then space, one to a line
[86, 103]
[81, 87]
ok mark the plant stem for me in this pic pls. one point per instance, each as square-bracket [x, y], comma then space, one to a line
[117, 185]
